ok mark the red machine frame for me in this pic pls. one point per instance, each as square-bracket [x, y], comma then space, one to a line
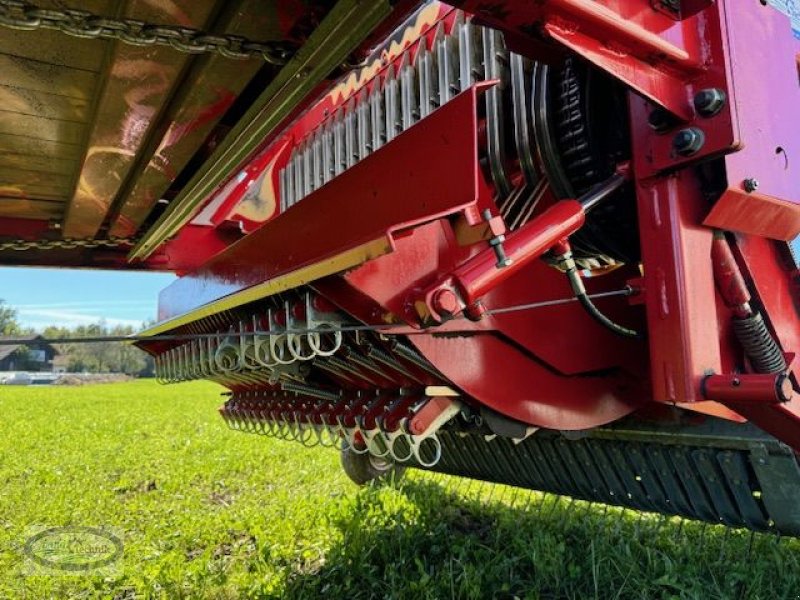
[416, 241]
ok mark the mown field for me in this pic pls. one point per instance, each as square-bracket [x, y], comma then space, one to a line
[205, 512]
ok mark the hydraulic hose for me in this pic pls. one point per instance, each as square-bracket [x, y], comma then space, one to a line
[579, 290]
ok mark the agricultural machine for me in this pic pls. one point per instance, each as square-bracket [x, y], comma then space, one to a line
[550, 243]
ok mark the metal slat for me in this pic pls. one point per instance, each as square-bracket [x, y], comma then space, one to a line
[647, 477]
[664, 470]
[695, 490]
[606, 470]
[714, 482]
[734, 467]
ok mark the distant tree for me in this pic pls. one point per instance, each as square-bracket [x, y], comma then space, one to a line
[101, 357]
[9, 325]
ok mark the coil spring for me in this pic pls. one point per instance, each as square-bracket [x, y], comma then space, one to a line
[759, 345]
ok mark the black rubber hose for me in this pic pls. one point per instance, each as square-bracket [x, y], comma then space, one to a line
[580, 294]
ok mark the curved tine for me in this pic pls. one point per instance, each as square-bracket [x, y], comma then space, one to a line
[164, 370]
[376, 444]
[180, 370]
[190, 364]
[325, 439]
[210, 353]
[291, 432]
[392, 438]
[159, 369]
[351, 435]
[261, 342]
[295, 345]
[221, 354]
[306, 434]
[297, 430]
[437, 453]
[276, 341]
[283, 428]
[187, 361]
[168, 358]
[246, 347]
[201, 359]
[195, 364]
[341, 432]
[316, 346]
[173, 365]
[260, 424]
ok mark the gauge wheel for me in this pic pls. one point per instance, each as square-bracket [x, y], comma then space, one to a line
[366, 468]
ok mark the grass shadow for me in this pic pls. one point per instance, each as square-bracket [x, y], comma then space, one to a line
[426, 539]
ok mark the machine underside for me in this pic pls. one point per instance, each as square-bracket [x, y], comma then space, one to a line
[551, 245]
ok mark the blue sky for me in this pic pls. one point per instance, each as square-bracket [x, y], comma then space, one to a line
[78, 297]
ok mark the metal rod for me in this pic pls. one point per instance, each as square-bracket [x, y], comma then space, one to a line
[185, 337]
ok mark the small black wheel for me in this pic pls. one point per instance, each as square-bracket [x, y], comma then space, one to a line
[366, 468]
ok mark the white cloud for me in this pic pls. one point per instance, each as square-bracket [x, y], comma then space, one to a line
[42, 317]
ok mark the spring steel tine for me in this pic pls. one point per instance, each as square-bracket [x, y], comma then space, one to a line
[408, 92]
[470, 60]
[389, 361]
[425, 76]
[377, 117]
[364, 122]
[337, 373]
[297, 169]
[494, 54]
[170, 365]
[282, 191]
[448, 78]
[339, 151]
[390, 92]
[337, 362]
[414, 358]
[523, 128]
[308, 167]
[319, 166]
[365, 363]
[192, 361]
[350, 134]
[289, 190]
[327, 153]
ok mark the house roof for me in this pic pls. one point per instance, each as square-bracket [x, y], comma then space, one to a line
[34, 339]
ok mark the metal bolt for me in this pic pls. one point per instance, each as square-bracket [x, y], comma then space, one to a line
[750, 185]
[688, 141]
[661, 120]
[736, 382]
[445, 302]
[709, 102]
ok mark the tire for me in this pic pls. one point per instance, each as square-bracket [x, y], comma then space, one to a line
[363, 469]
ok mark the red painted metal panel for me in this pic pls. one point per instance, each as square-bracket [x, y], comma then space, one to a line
[363, 204]
[508, 381]
[679, 287]
[765, 89]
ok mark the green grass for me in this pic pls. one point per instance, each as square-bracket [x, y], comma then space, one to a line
[208, 512]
